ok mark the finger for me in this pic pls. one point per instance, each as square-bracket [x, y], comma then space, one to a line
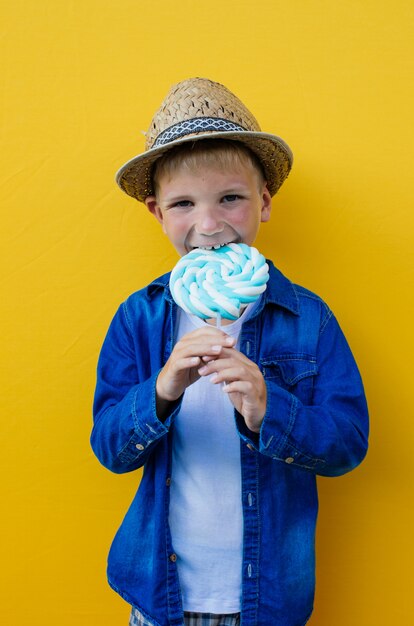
[197, 349]
[208, 359]
[208, 347]
[205, 370]
[209, 333]
[236, 356]
[220, 363]
[227, 375]
[246, 388]
[225, 351]
[182, 364]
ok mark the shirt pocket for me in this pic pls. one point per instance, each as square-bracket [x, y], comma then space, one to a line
[294, 372]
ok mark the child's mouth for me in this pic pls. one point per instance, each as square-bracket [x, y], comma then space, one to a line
[216, 246]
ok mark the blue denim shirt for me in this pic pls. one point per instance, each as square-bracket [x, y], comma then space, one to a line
[316, 422]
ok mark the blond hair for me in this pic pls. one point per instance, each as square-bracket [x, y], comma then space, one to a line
[222, 154]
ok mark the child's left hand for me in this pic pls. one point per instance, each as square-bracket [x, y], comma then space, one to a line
[244, 383]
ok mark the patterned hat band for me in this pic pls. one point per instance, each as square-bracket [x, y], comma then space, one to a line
[195, 125]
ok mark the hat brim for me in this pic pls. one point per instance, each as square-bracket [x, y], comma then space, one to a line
[135, 176]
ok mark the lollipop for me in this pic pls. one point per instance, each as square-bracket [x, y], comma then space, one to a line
[219, 283]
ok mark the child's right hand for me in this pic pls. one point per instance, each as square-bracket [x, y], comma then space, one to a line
[181, 369]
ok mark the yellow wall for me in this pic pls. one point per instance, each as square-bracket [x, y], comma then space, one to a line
[80, 80]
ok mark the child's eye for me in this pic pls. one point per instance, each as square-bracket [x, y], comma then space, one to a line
[182, 204]
[231, 197]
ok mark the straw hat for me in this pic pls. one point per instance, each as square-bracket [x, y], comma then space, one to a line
[196, 109]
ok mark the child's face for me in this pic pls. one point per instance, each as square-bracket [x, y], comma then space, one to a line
[209, 207]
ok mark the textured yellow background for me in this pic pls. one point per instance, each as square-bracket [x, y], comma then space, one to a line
[80, 80]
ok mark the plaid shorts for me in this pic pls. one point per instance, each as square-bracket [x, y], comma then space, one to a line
[192, 619]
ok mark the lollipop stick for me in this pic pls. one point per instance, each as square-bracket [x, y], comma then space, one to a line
[218, 324]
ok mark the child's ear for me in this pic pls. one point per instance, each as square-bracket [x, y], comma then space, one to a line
[154, 208]
[266, 204]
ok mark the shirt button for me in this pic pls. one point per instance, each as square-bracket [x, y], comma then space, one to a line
[139, 446]
[173, 557]
[168, 482]
[289, 460]
[249, 445]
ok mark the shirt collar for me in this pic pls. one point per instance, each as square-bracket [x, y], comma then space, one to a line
[281, 291]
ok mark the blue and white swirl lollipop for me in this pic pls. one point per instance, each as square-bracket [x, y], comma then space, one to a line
[219, 283]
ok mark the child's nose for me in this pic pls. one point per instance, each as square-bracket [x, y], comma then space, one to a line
[208, 223]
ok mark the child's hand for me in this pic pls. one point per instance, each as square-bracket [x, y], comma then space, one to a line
[244, 384]
[181, 369]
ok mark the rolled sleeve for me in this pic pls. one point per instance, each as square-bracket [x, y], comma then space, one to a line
[126, 426]
[328, 436]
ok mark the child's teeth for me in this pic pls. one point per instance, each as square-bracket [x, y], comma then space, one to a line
[216, 247]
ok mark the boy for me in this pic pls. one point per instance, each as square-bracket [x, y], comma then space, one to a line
[221, 530]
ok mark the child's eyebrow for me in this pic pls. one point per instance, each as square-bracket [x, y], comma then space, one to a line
[235, 189]
[182, 196]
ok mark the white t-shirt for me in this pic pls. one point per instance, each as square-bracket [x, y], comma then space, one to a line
[206, 518]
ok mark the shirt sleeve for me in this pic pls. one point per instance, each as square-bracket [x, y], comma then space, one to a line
[328, 437]
[126, 427]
